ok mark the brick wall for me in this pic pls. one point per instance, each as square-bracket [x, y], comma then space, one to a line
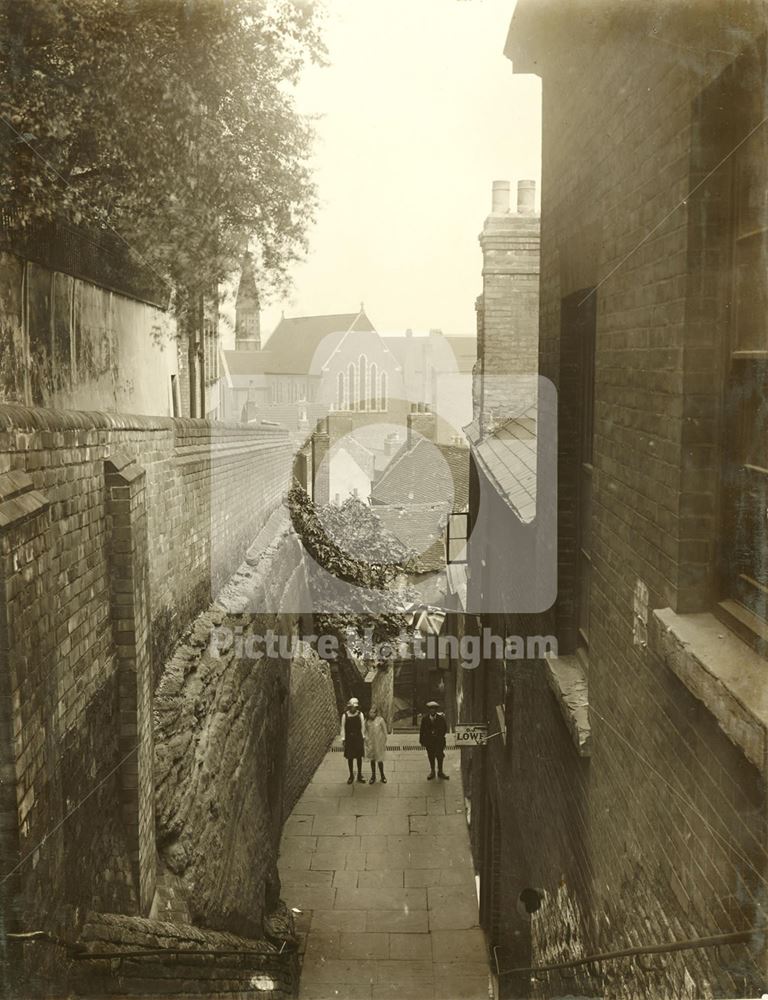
[71, 648]
[243, 968]
[661, 835]
[508, 308]
[313, 724]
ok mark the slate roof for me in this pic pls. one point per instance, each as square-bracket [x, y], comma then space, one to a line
[426, 473]
[508, 458]
[294, 342]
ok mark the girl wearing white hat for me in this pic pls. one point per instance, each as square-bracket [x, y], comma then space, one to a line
[353, 738]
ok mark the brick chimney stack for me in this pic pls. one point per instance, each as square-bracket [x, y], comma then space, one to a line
[526, 197]
[508, 309]
[421, 423]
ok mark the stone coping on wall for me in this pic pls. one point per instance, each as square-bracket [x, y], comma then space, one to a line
[31, 419]
[721, 671]
[568, 680]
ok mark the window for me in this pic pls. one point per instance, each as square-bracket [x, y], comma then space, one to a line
[456, 537]
[340, 394]
[363, 382]
[351, 387]
[374, 386]
[383, 393]
[744, 502]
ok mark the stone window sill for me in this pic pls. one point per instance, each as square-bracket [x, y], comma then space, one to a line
[568, 681]
[721, 671]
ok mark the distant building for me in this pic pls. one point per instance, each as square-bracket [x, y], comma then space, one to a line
[247, 310]
[314, 365]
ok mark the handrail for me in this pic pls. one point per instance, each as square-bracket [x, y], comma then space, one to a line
[713, 941]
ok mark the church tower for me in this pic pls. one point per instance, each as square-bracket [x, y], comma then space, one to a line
[247, 321]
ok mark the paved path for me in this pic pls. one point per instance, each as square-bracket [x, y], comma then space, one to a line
[384, 879]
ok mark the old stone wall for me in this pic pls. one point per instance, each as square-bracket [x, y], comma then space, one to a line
[91, 568]
[66, 342]
[245, 711]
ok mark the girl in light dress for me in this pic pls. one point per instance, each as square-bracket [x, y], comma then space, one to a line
[376, 744]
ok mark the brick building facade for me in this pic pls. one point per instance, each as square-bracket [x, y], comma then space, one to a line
[640, 818]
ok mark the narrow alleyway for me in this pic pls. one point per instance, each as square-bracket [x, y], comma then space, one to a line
[383, 877]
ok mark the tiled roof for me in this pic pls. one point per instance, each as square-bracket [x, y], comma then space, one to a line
[362, 455]
[508, 458]
[419, 526]
[426, 473]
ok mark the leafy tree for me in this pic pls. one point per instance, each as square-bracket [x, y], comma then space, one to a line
[171, 122]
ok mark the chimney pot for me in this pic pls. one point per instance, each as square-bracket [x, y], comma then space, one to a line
[526, 197]
[500, 199]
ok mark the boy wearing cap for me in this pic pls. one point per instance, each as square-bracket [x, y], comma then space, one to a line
[353, 738]
[432, 738]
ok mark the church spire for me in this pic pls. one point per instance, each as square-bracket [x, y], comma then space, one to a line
[247, 320]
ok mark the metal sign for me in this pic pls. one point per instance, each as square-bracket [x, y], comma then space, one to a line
[471, 734]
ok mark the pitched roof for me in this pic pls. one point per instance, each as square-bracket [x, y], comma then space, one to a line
[245, 363]
[295, 339]
[508, 458]
[294, 342]
[425, 473]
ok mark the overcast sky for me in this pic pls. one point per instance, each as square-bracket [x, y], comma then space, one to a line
[420, 112]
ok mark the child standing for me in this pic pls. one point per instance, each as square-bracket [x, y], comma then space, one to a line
[353, 737]
[376, 744]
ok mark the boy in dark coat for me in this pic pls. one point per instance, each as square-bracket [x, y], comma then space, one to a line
[432, 738]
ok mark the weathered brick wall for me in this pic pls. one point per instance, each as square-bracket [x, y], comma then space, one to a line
[313, 724]
[661, 836]
[207, 491]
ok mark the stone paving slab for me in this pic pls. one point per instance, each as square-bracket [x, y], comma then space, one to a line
[382, 879]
